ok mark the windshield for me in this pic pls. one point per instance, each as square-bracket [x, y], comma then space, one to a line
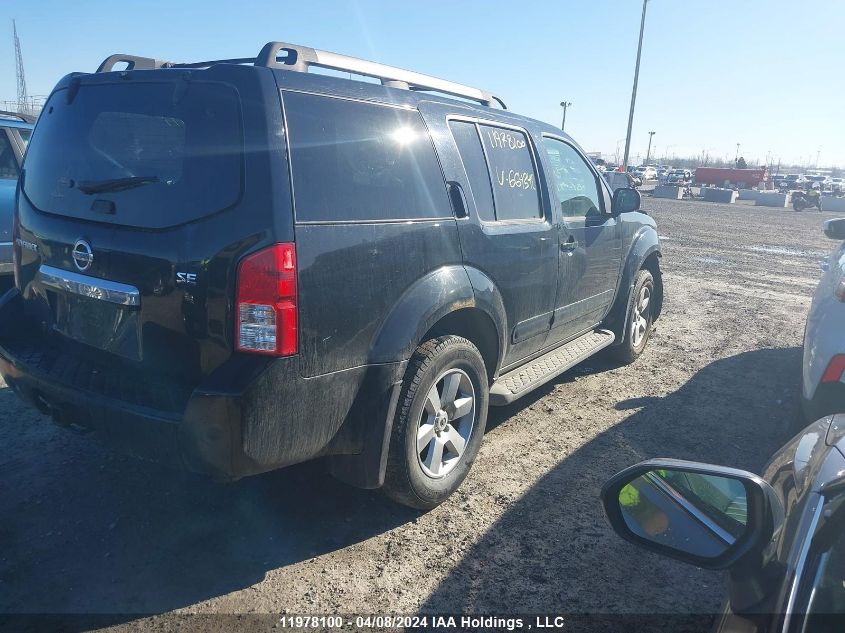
[146, 148]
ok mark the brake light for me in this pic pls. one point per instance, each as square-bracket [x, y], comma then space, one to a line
[266, 302]
[835, 369]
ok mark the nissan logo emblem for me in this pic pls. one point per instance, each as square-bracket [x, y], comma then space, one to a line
[82, 255]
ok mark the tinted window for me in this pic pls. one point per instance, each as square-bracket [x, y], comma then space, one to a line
[25, 135]
[577, 189]
[512, 172]
[8, 163]
[469, 147]
[361, 161]
[163, 153]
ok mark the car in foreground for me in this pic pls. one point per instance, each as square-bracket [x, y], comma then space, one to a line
[781, 536]
[250, 265]
[15, 130]
[823, 374]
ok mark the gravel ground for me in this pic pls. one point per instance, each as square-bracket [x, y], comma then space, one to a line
[83, 530]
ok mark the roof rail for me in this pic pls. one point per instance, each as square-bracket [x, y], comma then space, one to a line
[26, 118]
[301, 58]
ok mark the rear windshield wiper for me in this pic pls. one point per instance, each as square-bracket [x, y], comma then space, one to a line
[115, 184]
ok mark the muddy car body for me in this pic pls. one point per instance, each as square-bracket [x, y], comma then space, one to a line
[357, 244]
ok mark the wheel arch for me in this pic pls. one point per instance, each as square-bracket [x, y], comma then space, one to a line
[450, 300]
[645, 253]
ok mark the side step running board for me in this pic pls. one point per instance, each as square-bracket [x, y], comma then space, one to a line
[539, 371]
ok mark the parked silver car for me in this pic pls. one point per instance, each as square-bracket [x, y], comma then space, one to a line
[824, 336]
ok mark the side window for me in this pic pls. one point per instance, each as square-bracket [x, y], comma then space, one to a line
[361, 161]
[8, 162]
[512, 173]
[576, 184]
[472, 155]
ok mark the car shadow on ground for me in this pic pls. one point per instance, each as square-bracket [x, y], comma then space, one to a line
[552, 552]
[131, 537]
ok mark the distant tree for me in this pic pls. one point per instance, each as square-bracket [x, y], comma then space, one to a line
[740, 163]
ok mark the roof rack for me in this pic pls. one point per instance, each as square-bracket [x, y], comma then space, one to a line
[301, 58]
[26, 118]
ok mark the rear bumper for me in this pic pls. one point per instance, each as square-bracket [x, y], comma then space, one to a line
[251, 415]
[6, 264]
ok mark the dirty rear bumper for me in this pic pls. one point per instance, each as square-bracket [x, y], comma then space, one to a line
[251, 415]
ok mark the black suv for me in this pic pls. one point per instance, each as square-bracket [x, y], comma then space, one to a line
[244, 265]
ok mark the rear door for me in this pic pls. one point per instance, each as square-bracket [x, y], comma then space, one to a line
[507, 233]
[139, 198]
[589, 238]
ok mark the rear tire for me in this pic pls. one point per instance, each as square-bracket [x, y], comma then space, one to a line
[638, 321]
[439, 423]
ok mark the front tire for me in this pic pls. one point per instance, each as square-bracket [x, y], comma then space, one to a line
[439, 423]
[639, 320]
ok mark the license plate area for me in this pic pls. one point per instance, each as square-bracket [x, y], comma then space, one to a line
[100, 324]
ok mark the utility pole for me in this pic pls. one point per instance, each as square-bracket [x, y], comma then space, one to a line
[23, 99]
[634, 91]
[818, 153]
[736, 158]
[564, 105]
[648, 153]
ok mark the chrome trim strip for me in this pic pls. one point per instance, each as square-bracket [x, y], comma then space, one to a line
[5, 243]
[91, 287]
[802, 560]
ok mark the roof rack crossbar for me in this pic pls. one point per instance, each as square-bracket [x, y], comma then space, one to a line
[301, 58]
[133, 62]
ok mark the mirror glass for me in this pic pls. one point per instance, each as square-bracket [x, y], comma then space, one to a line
[693, 513]
[626, 200]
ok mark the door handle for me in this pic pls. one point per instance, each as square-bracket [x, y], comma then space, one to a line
[569, 245]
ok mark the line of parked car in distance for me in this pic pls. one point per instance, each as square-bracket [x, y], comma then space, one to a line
[788, 182]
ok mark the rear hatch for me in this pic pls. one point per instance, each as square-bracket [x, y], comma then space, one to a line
[140, 193]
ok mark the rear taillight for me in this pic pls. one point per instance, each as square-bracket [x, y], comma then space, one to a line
[266, 302]
[835, 369]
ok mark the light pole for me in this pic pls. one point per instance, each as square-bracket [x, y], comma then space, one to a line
[736, 158]
[564, 105]
[648, 152]
[634, 90]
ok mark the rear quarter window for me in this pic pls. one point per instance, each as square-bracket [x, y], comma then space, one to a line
[355, 161]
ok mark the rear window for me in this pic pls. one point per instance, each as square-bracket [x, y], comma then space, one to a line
[354, 161]
[141, 154]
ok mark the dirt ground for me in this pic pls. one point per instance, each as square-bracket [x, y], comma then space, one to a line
[84, 530]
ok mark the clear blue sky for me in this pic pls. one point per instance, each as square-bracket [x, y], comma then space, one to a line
[769, 74]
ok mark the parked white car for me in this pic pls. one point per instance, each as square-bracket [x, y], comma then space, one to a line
[823, 385]
[647, 172]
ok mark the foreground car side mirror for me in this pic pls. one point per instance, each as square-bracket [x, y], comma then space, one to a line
[709, 516]
[625, 200]
[835, 229]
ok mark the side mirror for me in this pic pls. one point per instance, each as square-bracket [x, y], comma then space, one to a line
[835, 229]
[625, 200]
[709, 516]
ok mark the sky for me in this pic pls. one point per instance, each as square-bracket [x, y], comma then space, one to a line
[767, 74]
